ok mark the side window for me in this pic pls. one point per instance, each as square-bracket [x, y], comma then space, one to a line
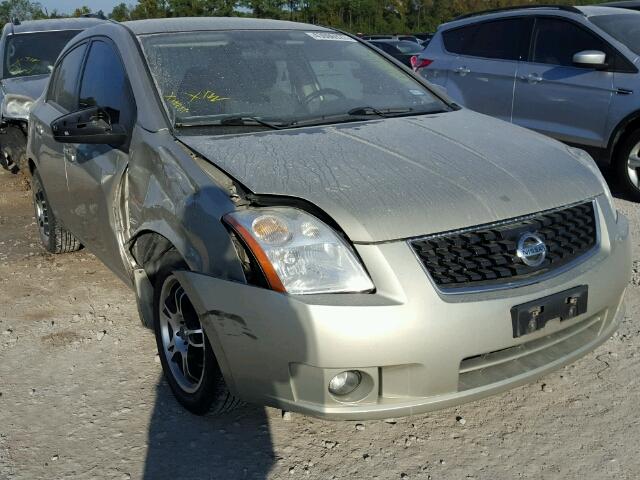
[64, 81]
[556, 41]
[458, 40]
[502, 39]
[104, 84]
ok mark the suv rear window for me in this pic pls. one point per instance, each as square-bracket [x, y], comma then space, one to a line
[502, 39]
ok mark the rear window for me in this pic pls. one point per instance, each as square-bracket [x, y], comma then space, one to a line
[501, 39]
[30, 54]
[623, 27]
[409, 48]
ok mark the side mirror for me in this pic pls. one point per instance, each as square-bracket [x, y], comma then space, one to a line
[590, 59]
[92, 126]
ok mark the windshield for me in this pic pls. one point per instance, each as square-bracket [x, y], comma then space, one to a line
[278, 76]
[623, 27]
[34, 53]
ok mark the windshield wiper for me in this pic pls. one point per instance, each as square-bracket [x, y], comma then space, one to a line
[234, 121]
[239, 121]
[380, 112]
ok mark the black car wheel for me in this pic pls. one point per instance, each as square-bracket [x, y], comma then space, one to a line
[54, 238]
[187, 359]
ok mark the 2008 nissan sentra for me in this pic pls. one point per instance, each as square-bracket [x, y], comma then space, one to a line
[308, 225]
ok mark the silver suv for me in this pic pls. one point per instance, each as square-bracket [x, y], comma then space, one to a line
[568, 72]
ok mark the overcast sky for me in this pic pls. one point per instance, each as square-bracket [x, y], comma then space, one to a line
[68, 6]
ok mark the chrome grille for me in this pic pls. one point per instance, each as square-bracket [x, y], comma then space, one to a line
[487, 256]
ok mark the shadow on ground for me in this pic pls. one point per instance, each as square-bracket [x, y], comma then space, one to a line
[184, 446]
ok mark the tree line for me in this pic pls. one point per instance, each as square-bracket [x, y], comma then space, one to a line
[357, 16]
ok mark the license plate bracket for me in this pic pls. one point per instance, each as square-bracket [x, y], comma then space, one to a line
[533, 316]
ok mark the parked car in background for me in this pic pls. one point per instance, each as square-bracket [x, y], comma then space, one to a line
[424, 38]
[629, 4]
[405, 38]
[401, 50]
[568, 72]
[28, 51]
[328, 235]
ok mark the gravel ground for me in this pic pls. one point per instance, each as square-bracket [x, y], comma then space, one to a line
[81, 396]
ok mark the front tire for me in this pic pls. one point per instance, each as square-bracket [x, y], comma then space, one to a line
[187, 359]
[14, 150]
[54, 238]
[627, 166]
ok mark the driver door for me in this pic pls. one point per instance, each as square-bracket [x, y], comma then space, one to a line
[62, 98]
[94, 172]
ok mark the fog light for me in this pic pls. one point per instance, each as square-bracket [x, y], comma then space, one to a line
[344, 383]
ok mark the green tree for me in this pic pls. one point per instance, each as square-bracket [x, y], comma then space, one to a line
[150, 9]
[21, 10]
[84, 10]
[266, 8]
[120, 13]
[201, 8]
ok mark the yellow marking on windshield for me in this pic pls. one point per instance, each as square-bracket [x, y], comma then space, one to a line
[205, 95]
[19, 67]
[175, 102]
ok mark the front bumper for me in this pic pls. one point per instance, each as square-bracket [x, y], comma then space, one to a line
[418, 349]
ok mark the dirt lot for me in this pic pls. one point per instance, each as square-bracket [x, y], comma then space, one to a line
[81, 396]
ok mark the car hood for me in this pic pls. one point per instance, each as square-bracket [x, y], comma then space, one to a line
[407, 177]
[31, 87]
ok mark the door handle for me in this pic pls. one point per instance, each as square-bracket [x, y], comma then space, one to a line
[462, 71]
[531, 78]
[69, 153]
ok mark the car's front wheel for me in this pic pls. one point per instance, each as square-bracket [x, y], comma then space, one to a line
[14, 150]
[187, 358]
[54, 238]
[627, 166]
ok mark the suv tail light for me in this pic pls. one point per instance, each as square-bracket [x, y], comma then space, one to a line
[417, 63]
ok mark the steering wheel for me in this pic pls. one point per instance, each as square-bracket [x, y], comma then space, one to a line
[323, 91]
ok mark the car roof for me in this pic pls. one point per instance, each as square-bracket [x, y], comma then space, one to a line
[390, 40]
[29, 26]
[625, 4]
[187, 24]
[580, 11]
[596, 11]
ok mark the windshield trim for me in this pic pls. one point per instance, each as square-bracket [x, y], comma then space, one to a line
[31, 32]
[171, 116]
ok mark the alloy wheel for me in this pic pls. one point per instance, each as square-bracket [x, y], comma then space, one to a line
[182, 336]
[42, 212]
[633, 165]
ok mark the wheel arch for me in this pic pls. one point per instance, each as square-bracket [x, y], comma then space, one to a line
[148, 247]
[625, 127]
[149, 244]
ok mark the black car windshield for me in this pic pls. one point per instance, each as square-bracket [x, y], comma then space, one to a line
[280, 76]
[623, 27]
[35, 53]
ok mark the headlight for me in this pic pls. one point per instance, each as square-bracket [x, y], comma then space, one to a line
[588, 161]
[298, 253]
[16, 106]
